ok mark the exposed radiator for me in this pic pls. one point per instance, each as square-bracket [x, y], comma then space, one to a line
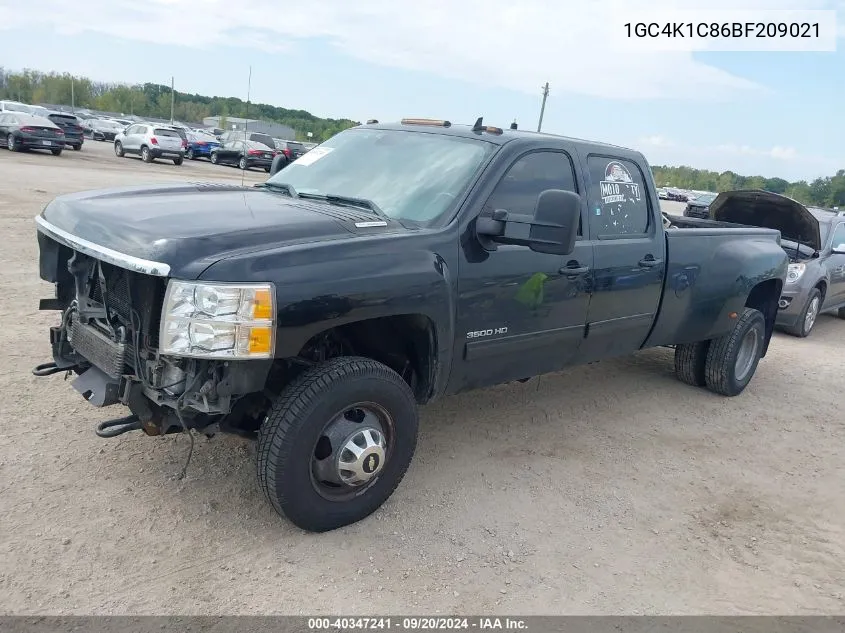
[99, 349]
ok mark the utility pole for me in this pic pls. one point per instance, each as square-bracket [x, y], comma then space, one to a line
[543, 106]
[172, 99]
[72, 104]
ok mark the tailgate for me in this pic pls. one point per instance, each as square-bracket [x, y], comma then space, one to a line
[709, 275]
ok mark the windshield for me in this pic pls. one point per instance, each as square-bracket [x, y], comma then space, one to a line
[108, 124]
[408, 175]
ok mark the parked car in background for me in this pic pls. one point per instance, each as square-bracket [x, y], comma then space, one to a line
[699, 207]
[244, 154]
[814, 240]
[72, 127]
[20, 131]
[14, 106]
[291, 149]
[662, 194]
[102, 129]
[150, 141]
[676, 195]
[241, 135]
[200, 145]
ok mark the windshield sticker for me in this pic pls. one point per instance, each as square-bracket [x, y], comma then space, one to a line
[618, 187]
[309, 158]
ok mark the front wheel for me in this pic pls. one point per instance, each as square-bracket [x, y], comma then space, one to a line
[336, 443]
[213, 158]
[732, 359]
[808, 316]
[242, 163]
[12, 143]
[118, 149]
[191, 155]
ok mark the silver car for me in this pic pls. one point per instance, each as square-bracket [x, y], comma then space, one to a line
[150, 141]
[814, 240]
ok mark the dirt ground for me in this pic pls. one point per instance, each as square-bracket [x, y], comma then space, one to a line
[606, 489]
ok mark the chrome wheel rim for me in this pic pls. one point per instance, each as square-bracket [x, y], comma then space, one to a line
[812, 313]
[747, 354]
[352, 451]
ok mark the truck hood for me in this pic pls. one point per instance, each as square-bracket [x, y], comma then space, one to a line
[180, 230]
[768, 210]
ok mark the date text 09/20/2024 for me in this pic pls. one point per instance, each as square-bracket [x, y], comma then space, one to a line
[416, 623]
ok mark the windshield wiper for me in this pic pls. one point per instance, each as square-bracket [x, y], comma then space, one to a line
[279, 186]
[362, 203]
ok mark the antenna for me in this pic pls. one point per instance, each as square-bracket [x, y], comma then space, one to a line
[479, 125]
[246, 118]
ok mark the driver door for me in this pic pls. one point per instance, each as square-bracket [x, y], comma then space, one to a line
[521, 313]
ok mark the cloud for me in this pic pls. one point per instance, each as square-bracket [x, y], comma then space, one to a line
[786, 162]
[777, 152]
[517, 46]
[656, 141]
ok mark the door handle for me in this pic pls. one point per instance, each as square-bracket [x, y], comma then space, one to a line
[650, 262]
[574, 271]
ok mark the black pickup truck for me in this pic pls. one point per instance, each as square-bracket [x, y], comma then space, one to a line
[390, 266]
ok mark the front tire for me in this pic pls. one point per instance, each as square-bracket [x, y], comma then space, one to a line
[118, 149]
[12, 144]
[808, 316]
[336, 443]
[690, 362]
[191, 155]
[213, 158]
[732, 359]
[242, 163]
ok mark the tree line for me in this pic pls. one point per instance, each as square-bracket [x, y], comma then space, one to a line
[822, 192]
[153, 100]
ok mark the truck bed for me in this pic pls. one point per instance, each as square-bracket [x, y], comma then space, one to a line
[715, 252]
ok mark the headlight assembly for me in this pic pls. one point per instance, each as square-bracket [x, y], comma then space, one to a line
[794, 272]
[206, 320]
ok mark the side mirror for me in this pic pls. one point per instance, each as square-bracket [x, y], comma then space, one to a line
[552, 229]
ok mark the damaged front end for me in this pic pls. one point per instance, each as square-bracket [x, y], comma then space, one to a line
[135, 338]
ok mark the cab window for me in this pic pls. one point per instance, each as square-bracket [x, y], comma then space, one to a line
[618, 201]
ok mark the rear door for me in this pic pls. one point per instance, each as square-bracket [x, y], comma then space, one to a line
[629, 250]
[132, 138]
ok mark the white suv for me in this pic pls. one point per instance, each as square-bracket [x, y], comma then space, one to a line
[150, 141]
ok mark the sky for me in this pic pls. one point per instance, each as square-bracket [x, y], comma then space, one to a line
[756, 113]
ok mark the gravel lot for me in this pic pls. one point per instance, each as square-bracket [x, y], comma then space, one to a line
[605, 489]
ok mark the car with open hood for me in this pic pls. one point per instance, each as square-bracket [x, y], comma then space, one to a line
[814, 240]
[316, 311]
